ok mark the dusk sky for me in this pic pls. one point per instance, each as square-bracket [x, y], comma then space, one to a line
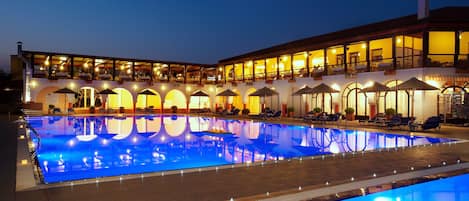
[184, 30]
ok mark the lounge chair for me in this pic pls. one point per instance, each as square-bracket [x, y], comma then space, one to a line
[395, 121]
[234, 111]
[334, 117]
[274, 115]
[431, 122]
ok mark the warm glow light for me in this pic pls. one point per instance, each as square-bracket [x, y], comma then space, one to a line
[72, 85]
[220, 69]
[163, 87]
[96, 69]
[85, 65]
[364, 45]
[135, 87]
[188, 88]
[210, 89]
[63, 58]
[33, 83]
[46, 62]
[155, 69]
[433, 83]
[335, 86]
[369, 84]
[398, 40]
[122, 67]
[298, 63]
[24, 162]
[334, 51]
[305, 54]
[129, 71]
[61, 67]
[249, 63]
[284, 58]
[105, 86]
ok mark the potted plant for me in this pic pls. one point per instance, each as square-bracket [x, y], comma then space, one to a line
[316, 111]
[245, 111]
[174, 109]
[92, 110]
[390, 112]
[290, 111]
[349, 114]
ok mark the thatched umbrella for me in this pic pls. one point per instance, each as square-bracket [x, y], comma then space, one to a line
[147, 93]
[65, 91]
[106, 92]
[302, 91]
[376, 88]
[265, 92]
[227, 93]
[413, 84]
[323, 89]
[200, 94]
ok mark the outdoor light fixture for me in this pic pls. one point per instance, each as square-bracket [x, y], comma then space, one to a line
[72, 85]
[33, 83]
[85, 65]
[364, 45]
[334, 51]
[398, 40]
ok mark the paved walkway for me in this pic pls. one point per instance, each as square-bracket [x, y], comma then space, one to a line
[258, 180]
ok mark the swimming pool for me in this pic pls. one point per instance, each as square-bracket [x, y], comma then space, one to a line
[80, 147]
[449, 189]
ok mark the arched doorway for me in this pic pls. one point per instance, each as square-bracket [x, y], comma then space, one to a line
[146, 101]
[175, 98]
[87, 97]
[237, 101]
[199, 102]
[123, 98]
[351, 97]
[451, 100]
[253, 102]
[399, 101]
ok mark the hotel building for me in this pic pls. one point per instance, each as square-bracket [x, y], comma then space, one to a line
[433, 48]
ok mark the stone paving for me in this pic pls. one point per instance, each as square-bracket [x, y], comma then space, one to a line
[244, 182]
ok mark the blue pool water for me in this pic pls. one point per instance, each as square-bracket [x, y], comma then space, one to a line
[449, 189]
[73, 148]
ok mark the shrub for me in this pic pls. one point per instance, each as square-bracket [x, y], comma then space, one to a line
[349, 110]
[317, 110]
[390, 111]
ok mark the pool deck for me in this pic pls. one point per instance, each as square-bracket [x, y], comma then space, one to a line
[259, 181]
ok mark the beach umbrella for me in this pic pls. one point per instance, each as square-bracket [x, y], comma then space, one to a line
[413, 84]
[106, 92]
[376, 88]
[227, 93]
[265, 92]
[302, 91]
[323, 89]
[65, 91]
[200, 94]
[147, 93]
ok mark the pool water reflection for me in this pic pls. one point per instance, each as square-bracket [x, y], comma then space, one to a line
[449, 189]
[72, 148]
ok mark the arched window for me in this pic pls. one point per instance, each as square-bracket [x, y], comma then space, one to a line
[351, 97]
[398, 101]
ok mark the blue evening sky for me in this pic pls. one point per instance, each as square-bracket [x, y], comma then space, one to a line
[203, 31]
